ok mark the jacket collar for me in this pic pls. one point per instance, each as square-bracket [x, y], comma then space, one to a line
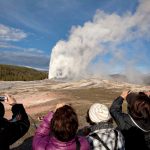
[101, 125]
[55, 141]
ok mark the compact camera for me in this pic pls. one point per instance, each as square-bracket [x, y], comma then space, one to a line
[2, 98]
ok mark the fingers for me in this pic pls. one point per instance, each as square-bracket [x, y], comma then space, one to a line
[6, 98]
[59, 105]
[147, 93]
[40, 118]
[125, 93]
[10, 100]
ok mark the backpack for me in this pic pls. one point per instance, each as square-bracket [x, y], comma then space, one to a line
[77, 143]
[95, 136]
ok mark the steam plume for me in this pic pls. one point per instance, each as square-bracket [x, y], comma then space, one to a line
[82, 53]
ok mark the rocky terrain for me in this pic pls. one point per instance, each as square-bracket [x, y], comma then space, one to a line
[41, 96]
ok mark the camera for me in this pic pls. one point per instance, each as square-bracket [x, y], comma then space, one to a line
[2, 98]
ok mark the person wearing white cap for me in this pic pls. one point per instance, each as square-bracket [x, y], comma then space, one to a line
[101, 134]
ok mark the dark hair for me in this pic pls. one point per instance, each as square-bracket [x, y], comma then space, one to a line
[139, 106]
[2, 110]
[88, 120]
[64, 123]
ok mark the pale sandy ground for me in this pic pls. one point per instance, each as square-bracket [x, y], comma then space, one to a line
[39, 97]
[33, 101]
[36, 94]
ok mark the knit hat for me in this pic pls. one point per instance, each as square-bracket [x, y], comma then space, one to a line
[99, 113]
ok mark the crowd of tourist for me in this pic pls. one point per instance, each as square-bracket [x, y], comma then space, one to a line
[107, 129]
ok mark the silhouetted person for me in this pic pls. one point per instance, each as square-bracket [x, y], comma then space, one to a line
[58, 131]
[135, 125]
[12, 130]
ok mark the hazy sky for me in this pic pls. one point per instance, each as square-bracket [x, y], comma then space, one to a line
[30, 29]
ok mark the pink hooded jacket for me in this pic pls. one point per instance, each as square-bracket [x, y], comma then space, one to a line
[43, 140]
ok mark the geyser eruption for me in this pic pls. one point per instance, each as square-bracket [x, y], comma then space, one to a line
[84, 52]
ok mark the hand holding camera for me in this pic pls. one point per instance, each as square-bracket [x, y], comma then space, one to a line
[59, 105]
[8, 99]
[148, 93]
[125, 93]
[2, 98]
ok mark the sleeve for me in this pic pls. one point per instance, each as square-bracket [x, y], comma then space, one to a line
[117, 114]
[18, 128]
[41, 136]
[84, 131]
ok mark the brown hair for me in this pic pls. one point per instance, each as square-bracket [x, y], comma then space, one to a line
[139, 108]
[64, 123]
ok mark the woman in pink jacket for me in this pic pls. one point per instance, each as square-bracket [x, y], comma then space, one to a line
[58, 131]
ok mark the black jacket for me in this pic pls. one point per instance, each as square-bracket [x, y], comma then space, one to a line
[135, 138]
[10, 132]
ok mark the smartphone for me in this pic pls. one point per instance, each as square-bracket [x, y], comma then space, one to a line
[2, 98]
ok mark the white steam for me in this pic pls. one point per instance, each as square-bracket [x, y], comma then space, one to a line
[75, 57]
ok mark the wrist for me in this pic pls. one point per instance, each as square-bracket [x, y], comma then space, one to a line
[122, 97]
[12, 104]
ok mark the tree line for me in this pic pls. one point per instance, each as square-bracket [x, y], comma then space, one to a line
[17, 73]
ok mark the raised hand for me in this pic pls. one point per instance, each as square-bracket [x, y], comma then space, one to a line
[125, 93]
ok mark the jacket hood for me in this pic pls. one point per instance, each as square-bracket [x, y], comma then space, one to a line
[141, 124]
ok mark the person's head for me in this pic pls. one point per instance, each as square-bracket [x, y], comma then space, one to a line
[64, 123]
[98, 113]
[2, 110]
[139, 106]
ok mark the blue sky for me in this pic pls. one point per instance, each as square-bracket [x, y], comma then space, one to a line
[29, 29]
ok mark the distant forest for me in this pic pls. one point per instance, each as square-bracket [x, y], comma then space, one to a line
[17, 73]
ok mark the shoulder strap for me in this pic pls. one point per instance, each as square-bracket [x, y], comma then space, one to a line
[77, 143]
[116, 141]
[94, 135]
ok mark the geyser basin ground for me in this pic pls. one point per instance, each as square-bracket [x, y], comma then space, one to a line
[39, 97]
